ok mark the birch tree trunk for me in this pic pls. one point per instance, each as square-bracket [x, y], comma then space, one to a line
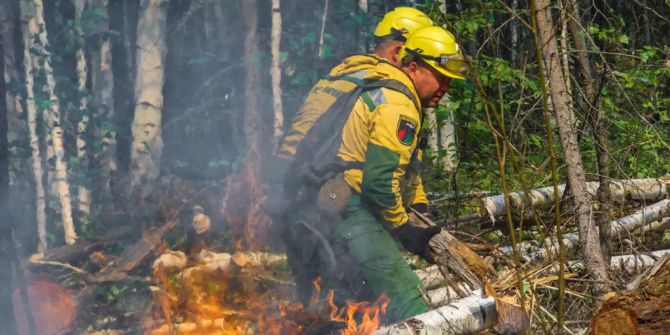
[448, 143]
[147, 145]
[102, 85]
[83, 194]
[514, 32]
[276, 75]
[588, 235]
[447, 133]
[16, 127]
[30, 27]
[433, 143]
[253, 121]
[55, 129]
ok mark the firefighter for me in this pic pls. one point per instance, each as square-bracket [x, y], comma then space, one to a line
[390, 34]
[356, 171]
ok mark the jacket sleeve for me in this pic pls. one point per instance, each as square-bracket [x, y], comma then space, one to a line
[413, 193]
[393, 137]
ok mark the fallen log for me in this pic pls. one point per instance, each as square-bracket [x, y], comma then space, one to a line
[450, 254]
[430, 277]
[543, 198]
[133, 256]
[644, 310]
[640, 218]
[442, 296]
[628, 263]
[466, 316]
[72, 253]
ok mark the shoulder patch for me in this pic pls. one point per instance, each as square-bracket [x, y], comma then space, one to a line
[406, 131]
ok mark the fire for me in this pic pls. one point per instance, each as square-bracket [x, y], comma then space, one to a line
[359, 318]
[226, 298]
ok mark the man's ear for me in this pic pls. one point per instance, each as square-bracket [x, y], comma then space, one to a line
[412, 69]
[395, 58]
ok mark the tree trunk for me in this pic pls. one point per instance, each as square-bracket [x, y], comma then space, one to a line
[562, 101]
[102, 85]
[448, 143]
[147, 146]
[17, 131]
[6, 242]
[598, 123]
[514, 38]
[56, 130]
[83, 194]
[276, 76]
[29, 27]
[253, 120]
[433, 143]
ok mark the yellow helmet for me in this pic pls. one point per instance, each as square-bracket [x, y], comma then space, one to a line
[400, 22]
[438, 48]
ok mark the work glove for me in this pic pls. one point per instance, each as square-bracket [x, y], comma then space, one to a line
[415, 239]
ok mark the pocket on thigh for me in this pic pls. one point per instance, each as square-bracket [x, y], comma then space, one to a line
[368, 242]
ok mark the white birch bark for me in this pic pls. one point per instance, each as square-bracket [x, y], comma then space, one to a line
[324, 18]
[147, 144]
[447, 133]
[276, 75]
[628, 263]
[56, 130]
[448, 143]
[622, 226]
[466, 316]
[648, 189]
[432, 128]
[83, 194]
[30, 28]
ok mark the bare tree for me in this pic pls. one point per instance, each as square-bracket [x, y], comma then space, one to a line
[29, 28]
[561, 102]
[83, 194]
[598, 123]
[147, 145]
[276, 75]
[54, 123]
[102, 85]
[17, 130]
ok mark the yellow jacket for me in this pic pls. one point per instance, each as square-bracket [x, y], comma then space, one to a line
[382, 133]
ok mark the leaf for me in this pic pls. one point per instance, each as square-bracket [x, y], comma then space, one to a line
[624, 39]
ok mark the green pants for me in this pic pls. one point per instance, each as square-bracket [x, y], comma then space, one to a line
[369, 261]
[380, 262]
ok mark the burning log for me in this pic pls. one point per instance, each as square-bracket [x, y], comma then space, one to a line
[466, 316]
[543, 198]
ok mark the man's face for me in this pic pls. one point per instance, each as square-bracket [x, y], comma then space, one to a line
[430, 84]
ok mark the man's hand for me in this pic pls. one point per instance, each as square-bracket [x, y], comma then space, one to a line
[415, 239]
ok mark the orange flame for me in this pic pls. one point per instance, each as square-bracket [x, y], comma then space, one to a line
[360, 318]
